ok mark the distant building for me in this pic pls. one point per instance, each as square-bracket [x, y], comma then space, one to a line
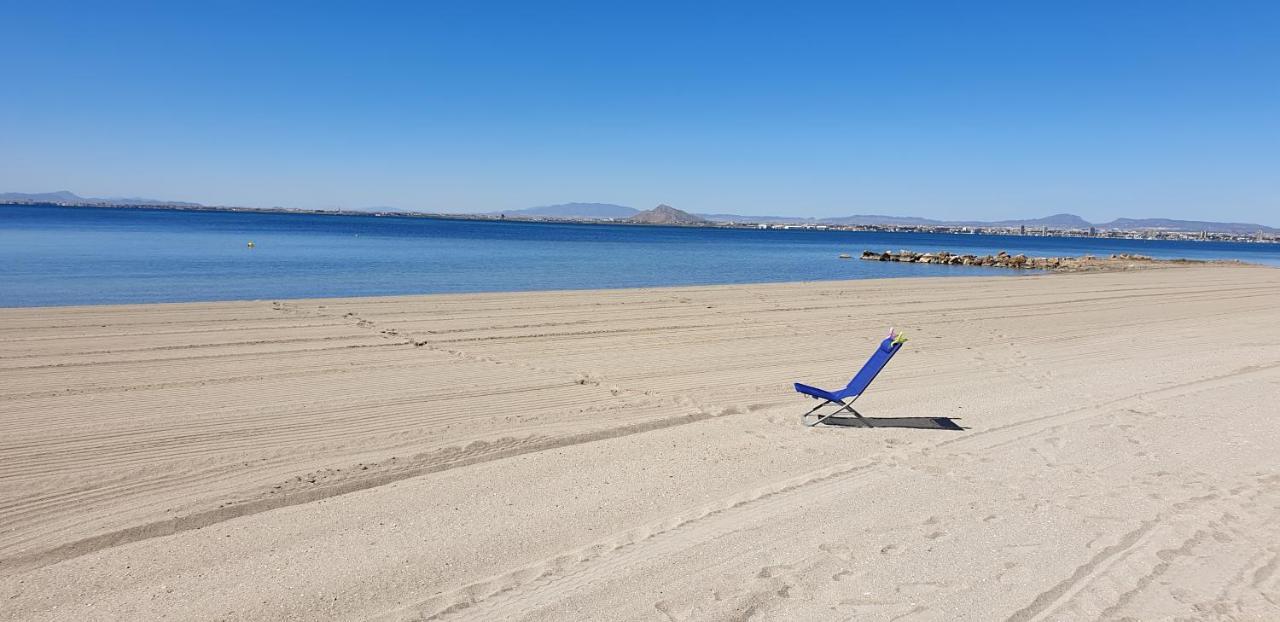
[1022, 229]
[1093, 231]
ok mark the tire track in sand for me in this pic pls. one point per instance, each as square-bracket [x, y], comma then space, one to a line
[431, 462]
[1110, 579]
[549, 580]
[435, 462]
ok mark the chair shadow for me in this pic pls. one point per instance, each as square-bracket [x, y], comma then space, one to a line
[912, 423]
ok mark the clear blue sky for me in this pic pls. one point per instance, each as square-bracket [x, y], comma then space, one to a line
[946, 109]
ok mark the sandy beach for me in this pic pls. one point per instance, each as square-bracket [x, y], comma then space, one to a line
[637, 454]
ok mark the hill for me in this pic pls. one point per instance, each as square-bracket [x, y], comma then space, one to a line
[667, 215]
[61, 196]
[70, 198]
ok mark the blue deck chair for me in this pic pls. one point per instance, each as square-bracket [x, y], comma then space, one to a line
[846, 396]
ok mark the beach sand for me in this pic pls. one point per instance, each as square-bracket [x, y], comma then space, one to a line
[637, 454]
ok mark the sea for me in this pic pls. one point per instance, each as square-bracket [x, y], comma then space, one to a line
[53, 255]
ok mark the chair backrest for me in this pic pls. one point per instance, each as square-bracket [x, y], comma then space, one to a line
[860, 382]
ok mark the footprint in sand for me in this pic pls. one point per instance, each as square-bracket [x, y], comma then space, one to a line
[769, 572]
[839, 551]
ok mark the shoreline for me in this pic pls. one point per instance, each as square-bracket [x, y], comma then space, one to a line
[995, 272]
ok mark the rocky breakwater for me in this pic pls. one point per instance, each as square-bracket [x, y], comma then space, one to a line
[1020, 262]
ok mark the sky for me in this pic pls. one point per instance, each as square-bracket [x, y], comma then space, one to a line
[959, 110]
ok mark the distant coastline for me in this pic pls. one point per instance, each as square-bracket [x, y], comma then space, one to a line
[112, 255]
[798, 224]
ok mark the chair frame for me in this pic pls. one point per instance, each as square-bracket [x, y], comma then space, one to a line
[844, 405]
[895, 340]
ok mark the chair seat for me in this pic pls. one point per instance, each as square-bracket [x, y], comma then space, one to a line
[816, 392]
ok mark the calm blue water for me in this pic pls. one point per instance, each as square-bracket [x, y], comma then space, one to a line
[66, 256]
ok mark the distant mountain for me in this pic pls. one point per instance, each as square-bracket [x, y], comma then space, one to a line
[1057, 221]
[879, 220]
[66, 197]
[600, 211]
[61, 196]
[144, 201]
[667, 215]
[1168, 224]
[757, 219]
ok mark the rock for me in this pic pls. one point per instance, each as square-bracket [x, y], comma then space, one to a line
[1084, 263]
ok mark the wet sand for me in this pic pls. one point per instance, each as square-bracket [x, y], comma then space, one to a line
[636, 454]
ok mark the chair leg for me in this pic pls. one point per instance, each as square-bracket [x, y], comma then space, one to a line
[843, 407]
[804, 418]
[855, 413]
